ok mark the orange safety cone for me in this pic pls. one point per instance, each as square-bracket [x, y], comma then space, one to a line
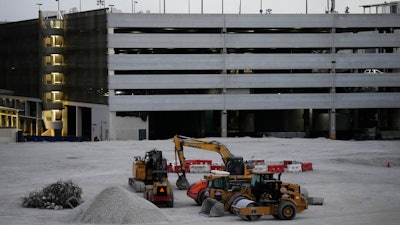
[388, 164]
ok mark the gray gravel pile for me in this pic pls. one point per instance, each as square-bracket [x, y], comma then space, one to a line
[115, 205]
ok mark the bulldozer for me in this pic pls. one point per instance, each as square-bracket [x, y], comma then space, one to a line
[264, 195]
[149, 175]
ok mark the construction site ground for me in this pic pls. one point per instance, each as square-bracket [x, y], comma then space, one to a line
[359, 180]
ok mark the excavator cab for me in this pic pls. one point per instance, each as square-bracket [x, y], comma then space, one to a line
[156, 166]
[235, 165]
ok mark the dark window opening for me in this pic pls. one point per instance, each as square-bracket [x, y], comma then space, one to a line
[139, 30]
[167, 50]
[133, 72]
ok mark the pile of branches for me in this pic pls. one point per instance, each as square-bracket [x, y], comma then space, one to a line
[60, 195]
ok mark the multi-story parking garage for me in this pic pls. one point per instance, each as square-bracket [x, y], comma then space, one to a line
[136, 76]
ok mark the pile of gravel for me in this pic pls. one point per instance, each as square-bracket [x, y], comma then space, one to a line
[115, 205]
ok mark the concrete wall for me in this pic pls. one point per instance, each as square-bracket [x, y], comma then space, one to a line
[127, 128]
[8, 135]
[100, 123]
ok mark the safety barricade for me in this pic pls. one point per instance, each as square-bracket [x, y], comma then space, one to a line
[280, 168]
[307, 166]
[257, 161]
[260, 168]
[198, 162]
[170, 168]
[217, 167]
[294, 168]
[200, 168]
[287, 162]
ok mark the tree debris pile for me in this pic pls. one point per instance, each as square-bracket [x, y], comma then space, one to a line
[59, 195]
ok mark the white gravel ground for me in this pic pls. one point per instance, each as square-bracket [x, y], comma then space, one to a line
[352, 177]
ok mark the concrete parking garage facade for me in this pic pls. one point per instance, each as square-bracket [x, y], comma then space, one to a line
[149, 76]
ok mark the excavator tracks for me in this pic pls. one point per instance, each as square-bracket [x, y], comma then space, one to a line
[137, 185]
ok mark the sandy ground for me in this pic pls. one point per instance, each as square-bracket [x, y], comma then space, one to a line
[351, 176]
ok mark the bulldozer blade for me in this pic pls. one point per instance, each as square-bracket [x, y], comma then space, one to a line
[182, 183]
[217, 210]
[315, 200]
[212, 207]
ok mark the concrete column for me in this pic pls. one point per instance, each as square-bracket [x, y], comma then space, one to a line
[78, 121]
[224, 123]
[112, 128]
[332, 124]
[38, 117]
[332, 112]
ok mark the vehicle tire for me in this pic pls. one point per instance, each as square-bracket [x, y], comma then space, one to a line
[149, 196]
[286, 210]
[171, 203]
[200, 197]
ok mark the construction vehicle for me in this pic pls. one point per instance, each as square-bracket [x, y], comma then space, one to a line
[222, 187]
[150, 177]
[235, 165]
[265, 195]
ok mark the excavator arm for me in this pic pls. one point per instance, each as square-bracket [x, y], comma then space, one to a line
[214, 146]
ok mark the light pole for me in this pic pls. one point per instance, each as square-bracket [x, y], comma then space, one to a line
[101, 3]
[240, 7]
[327, 6]
[58, 9]
[58, 5]
[134, 6]
[111, 7]
[261, 7]
[306, 6]
[39, 4]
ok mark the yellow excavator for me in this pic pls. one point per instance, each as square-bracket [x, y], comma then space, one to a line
[149, 175]
[234, 165]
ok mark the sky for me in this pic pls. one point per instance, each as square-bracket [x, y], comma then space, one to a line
[16, 10]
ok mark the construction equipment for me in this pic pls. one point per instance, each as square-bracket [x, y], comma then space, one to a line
[221, 187]
[266, 195]
[233, 164]
[150, 176]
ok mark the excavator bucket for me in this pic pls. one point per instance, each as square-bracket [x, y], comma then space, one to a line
[182, 183]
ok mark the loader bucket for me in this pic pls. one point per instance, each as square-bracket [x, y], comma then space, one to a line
[212, 208]
[182, 183]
